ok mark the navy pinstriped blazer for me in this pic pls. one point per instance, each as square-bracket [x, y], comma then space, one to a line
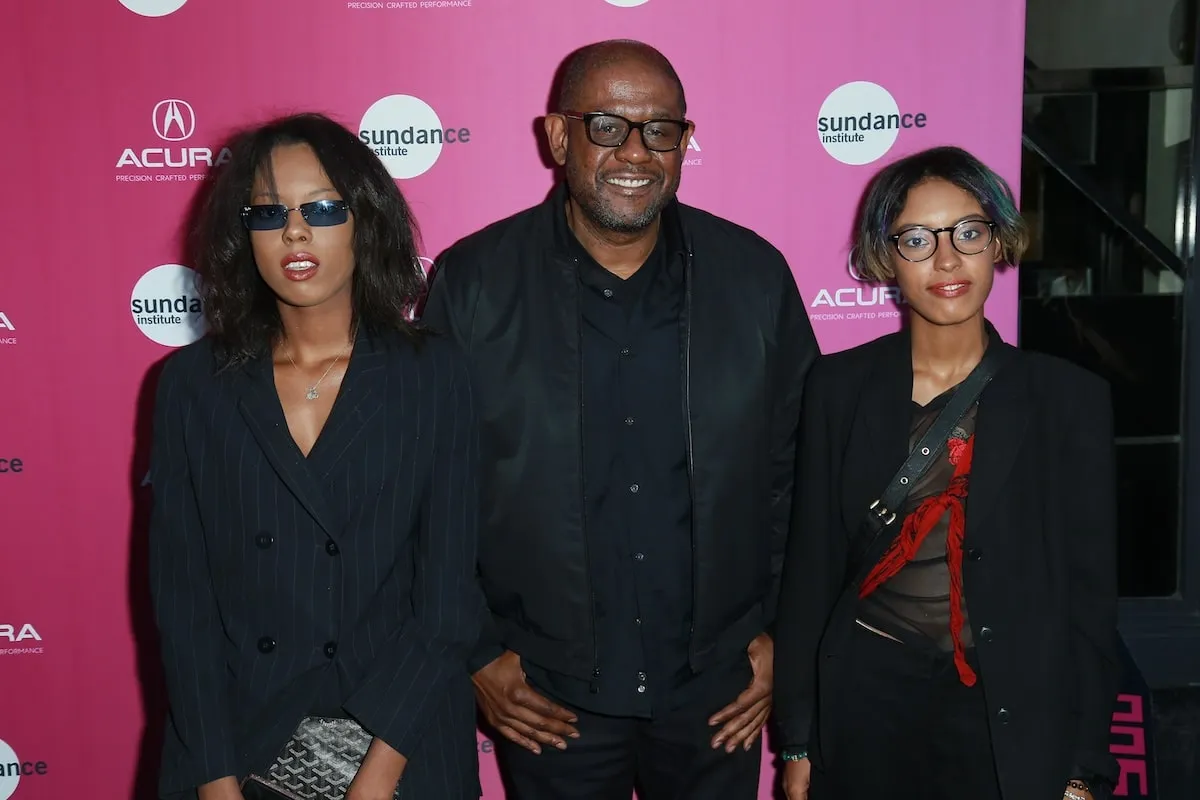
[279, 579]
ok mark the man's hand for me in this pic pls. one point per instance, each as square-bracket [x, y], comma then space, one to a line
[378, 774]
[220, 789]
[796, 778]
[743, 719]
[519, 713]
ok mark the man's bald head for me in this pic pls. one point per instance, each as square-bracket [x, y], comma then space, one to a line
[590, 58]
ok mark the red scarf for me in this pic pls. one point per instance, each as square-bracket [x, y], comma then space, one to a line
[917, 526]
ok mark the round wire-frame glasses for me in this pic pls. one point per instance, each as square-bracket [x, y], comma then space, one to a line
[969, 237]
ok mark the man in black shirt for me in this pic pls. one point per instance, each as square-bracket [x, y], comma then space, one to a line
[637, 366]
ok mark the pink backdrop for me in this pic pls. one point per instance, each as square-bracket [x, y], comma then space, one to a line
[120, 105]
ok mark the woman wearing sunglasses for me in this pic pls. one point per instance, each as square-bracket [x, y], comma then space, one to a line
[947, 620]
[313, 471]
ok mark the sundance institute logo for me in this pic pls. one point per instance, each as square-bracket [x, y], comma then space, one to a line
[859, 122]
[153, 8]
[166, 306]
[407, 134]
[13, 769]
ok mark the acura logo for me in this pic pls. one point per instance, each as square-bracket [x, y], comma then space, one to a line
[174, 120]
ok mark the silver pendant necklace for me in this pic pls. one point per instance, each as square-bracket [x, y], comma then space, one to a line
[313, 391]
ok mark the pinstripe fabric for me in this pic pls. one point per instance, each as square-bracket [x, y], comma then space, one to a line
[263, 562]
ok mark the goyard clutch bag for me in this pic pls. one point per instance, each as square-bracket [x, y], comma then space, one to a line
[318, 762]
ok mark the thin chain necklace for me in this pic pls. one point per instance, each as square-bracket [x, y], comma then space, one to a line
[313, 392]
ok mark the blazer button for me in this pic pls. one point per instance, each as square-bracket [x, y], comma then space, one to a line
[985, 633]
[266, 644]
[264, 540]
[975, 554]
[1002, 715]
[331, 547]
[330, 649]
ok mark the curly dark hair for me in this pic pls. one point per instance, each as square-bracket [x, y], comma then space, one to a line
[239, 308]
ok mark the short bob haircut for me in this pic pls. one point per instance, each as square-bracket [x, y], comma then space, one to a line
[888, 191]
[239, 308]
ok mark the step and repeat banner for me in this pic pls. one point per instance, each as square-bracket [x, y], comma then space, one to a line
[116, 110]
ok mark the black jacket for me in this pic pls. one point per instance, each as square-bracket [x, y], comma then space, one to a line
[1039, 567]
[280, 582]
[511, 298]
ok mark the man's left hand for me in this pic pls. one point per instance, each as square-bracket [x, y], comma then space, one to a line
[742, 720]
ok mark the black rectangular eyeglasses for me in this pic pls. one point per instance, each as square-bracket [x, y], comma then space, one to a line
[611, 130]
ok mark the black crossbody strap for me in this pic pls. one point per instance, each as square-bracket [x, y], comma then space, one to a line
[884, 511]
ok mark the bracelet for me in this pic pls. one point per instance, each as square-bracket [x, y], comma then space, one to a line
[1077, 790]
[801, 753]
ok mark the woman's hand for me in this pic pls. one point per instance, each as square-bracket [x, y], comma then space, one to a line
[378, 774]
[796, 777]
[1076, 791]
[220, 789]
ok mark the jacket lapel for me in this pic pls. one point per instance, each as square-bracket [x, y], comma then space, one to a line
[359, 402]
[887, 398]
[1000, 428]
[879, 444]
[258, 403]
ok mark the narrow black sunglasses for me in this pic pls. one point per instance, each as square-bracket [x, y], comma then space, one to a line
[318, 213]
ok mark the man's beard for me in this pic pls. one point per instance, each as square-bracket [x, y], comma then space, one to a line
[606, 217]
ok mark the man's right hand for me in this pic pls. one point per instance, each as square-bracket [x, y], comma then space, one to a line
[796, 778]
[220, 789]
[519, 713]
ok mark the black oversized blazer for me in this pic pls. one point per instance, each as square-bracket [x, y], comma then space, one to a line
[271, 578]
[1039, 568]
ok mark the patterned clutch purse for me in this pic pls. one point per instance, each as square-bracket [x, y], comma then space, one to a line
[318, 762]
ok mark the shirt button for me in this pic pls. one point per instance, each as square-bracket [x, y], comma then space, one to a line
[266, 644]
[634, 488]
[639, 556]
[624, 351]
[331, 547]
[985, 633]
[330, 649]
[629, 420]
[641, 690]
[1002, 715]
[264, 540]
[975, 554]
[637, 621]
[641, 676]
[608, 292]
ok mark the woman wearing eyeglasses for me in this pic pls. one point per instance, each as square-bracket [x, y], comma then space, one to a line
[947, 620]
[314, 473]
